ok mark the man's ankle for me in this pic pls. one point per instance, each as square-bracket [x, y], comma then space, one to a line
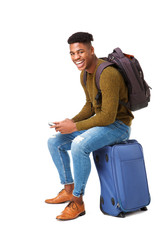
[69, 187]
[78, 200]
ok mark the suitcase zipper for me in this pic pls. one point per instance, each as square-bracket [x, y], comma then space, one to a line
[118, 205]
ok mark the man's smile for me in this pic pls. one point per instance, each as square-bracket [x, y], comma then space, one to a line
[79, 63]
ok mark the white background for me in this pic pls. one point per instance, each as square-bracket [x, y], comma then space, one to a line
[39, 83]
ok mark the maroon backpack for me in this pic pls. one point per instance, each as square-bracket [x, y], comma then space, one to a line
[129, 67]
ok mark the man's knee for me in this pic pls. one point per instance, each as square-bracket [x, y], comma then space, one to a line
[77, 145]
[52, 141]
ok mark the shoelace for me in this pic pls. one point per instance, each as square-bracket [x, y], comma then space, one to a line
[61, 191]
[72, 205]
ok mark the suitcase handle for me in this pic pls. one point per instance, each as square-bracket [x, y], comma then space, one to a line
[128, 141]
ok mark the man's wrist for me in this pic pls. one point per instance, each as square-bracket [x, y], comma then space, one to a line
[75, 127]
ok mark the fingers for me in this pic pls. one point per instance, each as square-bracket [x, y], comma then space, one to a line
[58, 127]
[61, 126]
[56, 123]
[53, 126]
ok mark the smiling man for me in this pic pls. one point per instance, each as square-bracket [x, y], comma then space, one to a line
[98, 124]
[83, 56]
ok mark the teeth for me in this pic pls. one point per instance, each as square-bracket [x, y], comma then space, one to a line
[79, 62]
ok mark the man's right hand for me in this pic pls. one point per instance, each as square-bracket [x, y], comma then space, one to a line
[65, 127]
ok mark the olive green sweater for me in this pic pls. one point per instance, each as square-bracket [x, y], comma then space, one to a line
[113, 89]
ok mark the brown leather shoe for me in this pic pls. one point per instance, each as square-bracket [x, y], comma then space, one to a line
[72, 211]
[62, 197]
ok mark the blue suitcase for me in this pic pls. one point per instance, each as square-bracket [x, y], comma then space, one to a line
[123, 180]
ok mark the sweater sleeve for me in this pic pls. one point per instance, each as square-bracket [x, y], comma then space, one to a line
[109, 85]
[87, 111]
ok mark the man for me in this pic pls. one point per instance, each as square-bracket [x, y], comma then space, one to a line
[96, 125]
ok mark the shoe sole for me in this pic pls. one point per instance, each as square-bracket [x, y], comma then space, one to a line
[57, 203]
[81, 214]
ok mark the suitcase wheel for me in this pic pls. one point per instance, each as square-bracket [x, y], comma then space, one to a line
[101, 200]
[144, 209]
[101, 203]
[121, 215]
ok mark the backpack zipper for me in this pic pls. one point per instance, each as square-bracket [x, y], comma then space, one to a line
[124, 74]
[137, 76]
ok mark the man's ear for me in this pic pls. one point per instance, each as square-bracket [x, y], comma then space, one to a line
[92, 50]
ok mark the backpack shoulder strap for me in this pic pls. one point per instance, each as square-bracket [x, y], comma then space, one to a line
[100, 69]
[85, 77]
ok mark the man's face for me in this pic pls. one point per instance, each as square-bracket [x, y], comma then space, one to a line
[82, 55]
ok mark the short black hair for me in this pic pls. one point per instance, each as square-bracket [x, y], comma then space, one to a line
[82, 37]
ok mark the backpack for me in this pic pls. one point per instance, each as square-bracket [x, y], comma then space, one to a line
[130, 69]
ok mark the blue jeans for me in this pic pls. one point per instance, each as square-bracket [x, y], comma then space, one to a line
[81, 144]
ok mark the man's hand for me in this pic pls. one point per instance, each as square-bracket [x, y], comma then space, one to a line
[66, 126]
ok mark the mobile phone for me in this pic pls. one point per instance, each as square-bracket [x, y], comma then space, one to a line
[50, 123]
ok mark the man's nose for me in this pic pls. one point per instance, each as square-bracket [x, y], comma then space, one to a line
[76, 56]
